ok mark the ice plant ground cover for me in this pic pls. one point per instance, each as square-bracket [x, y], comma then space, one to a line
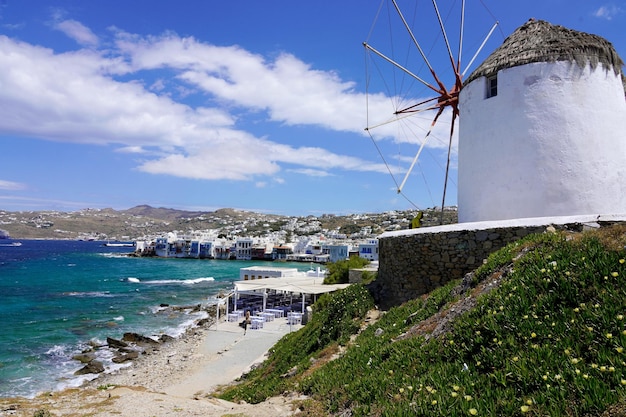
[549, 339]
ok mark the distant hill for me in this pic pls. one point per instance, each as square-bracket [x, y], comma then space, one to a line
[162, 213]
[144, 222]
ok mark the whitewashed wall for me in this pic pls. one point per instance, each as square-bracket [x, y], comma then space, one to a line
[551, 143]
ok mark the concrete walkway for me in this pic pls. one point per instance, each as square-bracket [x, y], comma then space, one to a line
[228, 353]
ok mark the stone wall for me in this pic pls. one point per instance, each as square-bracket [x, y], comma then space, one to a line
[414, 262]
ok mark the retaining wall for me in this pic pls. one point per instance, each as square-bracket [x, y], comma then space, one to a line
[415, 262]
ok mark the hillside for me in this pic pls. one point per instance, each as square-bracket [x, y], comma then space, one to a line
[143, 222]
[539, 329]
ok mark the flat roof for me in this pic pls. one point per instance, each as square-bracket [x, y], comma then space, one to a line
[303, 285]
[526, 222]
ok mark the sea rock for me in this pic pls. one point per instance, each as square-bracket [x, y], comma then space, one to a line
[125, 357]
[205, 322]
[131, 349]
[93, 367]
[94, 343]
[164, 338]
[137, 338]
[114, 343]
[84, 357]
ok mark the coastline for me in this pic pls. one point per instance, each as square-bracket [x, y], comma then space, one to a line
[180, 376]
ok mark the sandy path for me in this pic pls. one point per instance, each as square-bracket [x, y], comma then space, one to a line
[227, 353]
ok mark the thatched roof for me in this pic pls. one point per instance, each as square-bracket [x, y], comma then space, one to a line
[540, 41]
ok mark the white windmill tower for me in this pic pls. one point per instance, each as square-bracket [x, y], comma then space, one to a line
[543, 131]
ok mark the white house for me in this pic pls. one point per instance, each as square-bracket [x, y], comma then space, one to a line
[369, 250]
[336, 252]
[543, 128]
[244, 248]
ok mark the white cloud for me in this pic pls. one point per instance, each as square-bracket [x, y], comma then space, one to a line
[311, 172]
[131, 149]
[608, 12]
[11, 186]
[77, 31]
[76, 97]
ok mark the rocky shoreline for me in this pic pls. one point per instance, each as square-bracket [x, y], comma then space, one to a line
[171, 376]
[134, 350]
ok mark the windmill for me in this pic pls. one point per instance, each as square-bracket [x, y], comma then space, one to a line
[413, 64]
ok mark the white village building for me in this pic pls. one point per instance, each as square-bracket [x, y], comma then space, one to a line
[543, 128]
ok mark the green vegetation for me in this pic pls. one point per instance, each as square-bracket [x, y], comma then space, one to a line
[336, 318]
[338, 272]
[548, 341]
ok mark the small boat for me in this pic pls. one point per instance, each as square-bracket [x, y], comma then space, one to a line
[119, 245]
[11, 244]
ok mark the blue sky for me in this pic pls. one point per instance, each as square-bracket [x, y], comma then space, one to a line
[260, 106]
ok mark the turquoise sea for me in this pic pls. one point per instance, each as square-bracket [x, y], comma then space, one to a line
[57, 296]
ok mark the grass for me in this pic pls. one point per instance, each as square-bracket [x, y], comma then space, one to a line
[550, 340]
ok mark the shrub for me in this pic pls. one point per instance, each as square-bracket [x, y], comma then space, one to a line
[338, 272]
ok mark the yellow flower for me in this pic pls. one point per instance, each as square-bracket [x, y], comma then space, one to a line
[620, 317]
[525, 408]
[473, 411]
[603, 368]
[533, 334]
[576, 310]
[454, 394]
[622, 261]
[468, 397]
[515, 358]
[609, 335]
[456, 387]
[574, 361]
[614, 274]
[619, 349]
[586, 376]
[623, 381]
[401, 390]
[434, 402]
[529, 402]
